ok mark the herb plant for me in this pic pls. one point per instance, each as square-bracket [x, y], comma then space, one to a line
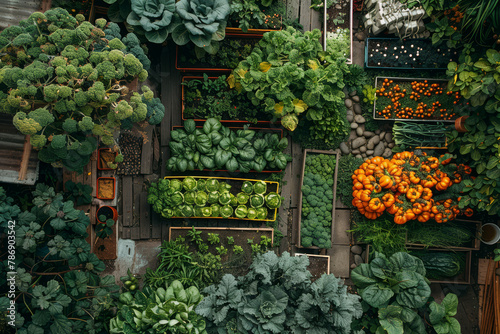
[103, 230]
[317, 201]
[78, 193]
[57, 277]
[277, 295]
[218, 147]
[347, 165]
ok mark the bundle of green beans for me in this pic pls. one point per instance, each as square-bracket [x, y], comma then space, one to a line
[412, 134]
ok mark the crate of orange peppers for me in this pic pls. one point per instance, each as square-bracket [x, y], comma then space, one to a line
[414, 100]
[410, 187]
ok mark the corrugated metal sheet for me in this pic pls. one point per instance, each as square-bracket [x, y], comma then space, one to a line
[11, 153]
[13, 11]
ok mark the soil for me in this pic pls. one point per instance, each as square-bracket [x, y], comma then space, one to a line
[488, 233]
[107, 212]
[409, 53]
[105, 249]
[335, 11]
[106, 189]
[237, 265]
[105, 157]
[131, 148]
[317, 266]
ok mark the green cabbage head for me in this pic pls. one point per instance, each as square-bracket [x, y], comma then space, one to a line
[202, 21]
[152, 16]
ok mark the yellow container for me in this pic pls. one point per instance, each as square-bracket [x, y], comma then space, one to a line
[236, 180]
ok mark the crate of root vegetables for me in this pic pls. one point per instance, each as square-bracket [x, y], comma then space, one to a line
[409, 99]
[213, 197]
[317, 198]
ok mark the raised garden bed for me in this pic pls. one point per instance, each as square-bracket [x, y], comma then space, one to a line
[339, 16]
[225, 160]
[459, 226]
[204, 97]
[215, 197]
[464, 256]
[235, 260]
[311, 196]
[407, 54]
[255, 21]
[318, 264]
[412, 135]
[410, 99]
[232, 49]
[105, 155]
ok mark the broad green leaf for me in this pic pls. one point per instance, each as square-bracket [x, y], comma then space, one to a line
[265, 66]
[299, 105]
[390, 319]
[450, 303]
[437, 313]
[377, 295]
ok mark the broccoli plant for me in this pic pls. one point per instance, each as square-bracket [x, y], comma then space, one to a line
[66, 83]
[57, 279]
[317, 201]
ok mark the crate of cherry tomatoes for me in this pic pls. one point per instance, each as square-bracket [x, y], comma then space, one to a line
[412, 99]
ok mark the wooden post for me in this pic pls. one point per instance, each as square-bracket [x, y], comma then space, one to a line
[26, 158]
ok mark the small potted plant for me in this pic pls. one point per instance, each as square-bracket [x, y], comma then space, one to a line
[106, 187]
[104, 228]
[106, 212]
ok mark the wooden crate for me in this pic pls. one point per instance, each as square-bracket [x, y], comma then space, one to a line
[337, 157]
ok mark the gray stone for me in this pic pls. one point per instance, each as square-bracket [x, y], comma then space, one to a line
[360, 36]
[352, 135]
[374, 140]
[353, 266]
[387, 153]
[363, 256]
[359, 131]
[354, 125]
[355, 98]
[359, 119]
[362, 149]
[388, 137]
[390, 145]
[358, 260]
[370, 145]
[357, 109]
[377, 132]
[382, 135]
[364, 155]
[369, 152]
[350, 118]
[353, 93]
[368, 134]
[359, 156]
[356, 152]
[356, 249]
[344, 148]
[379, 149]
[358, 142]
[348, 103]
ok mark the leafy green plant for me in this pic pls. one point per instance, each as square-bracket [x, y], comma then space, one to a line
[443, 31]
[317, 200]
[369, 93]
[218, 147]
[441, 315]
[78, 193]
[397, 287]
[170, 199]
[237, 249]
[290, 74]
[497, 254]
[152, 18]
[195, 235]
[65, 83]
[168, 309]
[475, 15]
[103, 230]
[277, 295]
[213, 238]
[130, 281]
[478, 81]
[230, 240]
[201, 22]
[221, 250]
[347, 165]
[409, 135]
[251, 14]
[58, 280]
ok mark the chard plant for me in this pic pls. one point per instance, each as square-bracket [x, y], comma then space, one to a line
[65, 83]
[277, 295]
[58, 282]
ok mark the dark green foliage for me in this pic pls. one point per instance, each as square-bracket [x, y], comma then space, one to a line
[441, 265]
[317, 200]
[251, 14]
[347, 165]
[78, 193]
[209, 98]
[57, 277]
[277, 295]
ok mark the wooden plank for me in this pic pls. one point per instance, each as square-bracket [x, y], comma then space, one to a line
[166, 123]
[147, 152]
[145, 214]
[125, 233]
[297, 155]
[305, 14]
[482, 268]
[137, 185]
[292, 9]
[127, 201]
[295, 226]
[316, 19]
[135, 233]
[25, 160]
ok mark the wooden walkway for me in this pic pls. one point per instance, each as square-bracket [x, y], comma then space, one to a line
[138, 220]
